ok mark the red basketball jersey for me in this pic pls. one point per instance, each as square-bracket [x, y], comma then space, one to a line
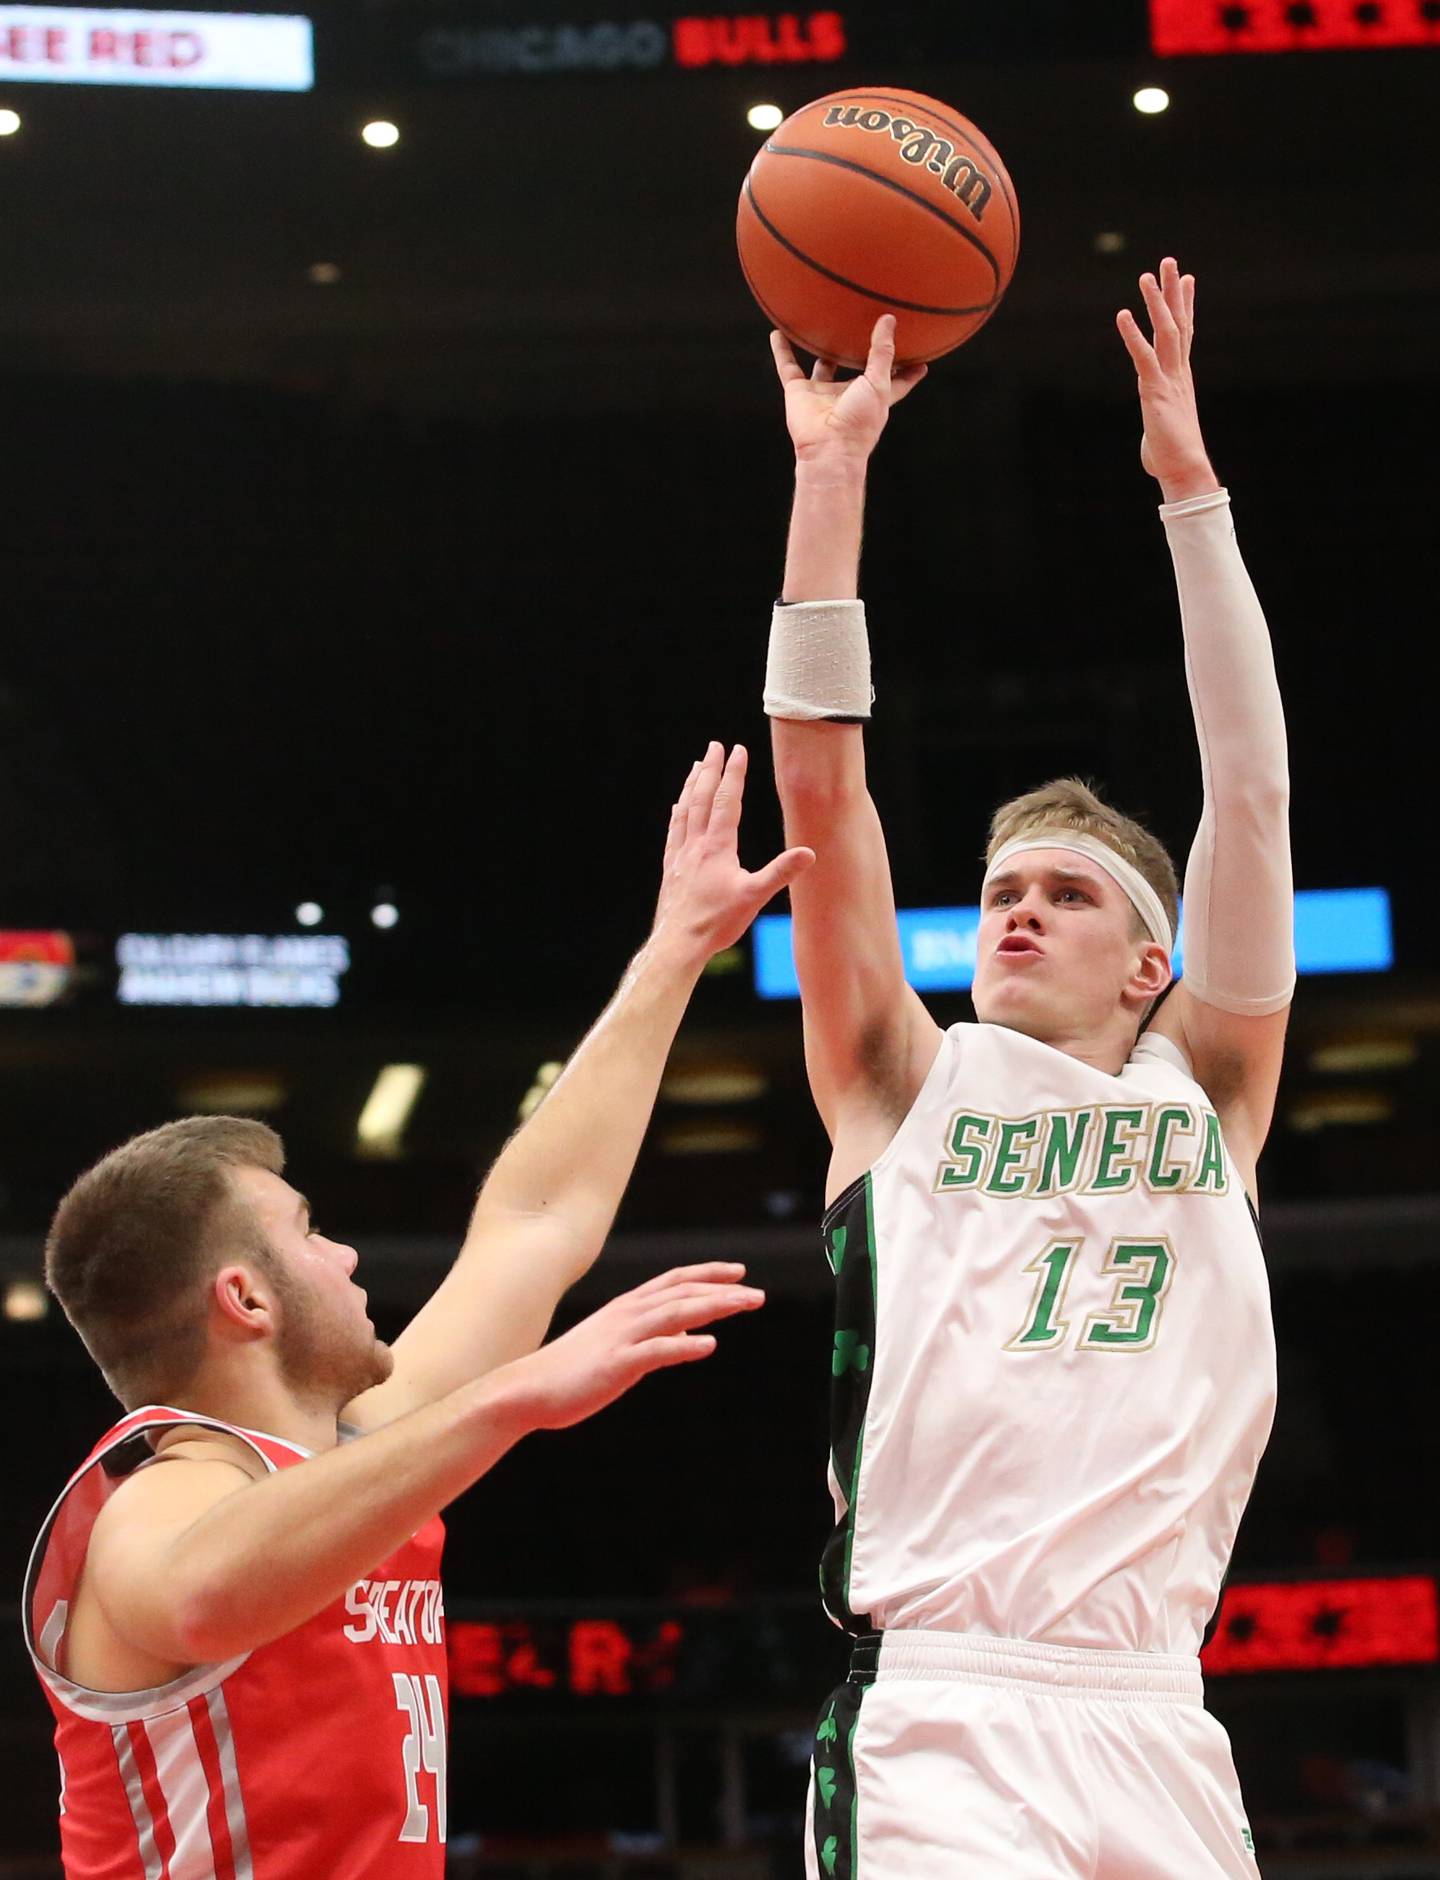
[318, 1757]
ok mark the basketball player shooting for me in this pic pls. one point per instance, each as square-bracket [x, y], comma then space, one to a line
[1054, 1368]
[236, 1615]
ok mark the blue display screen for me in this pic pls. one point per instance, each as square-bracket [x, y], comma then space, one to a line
[1337, 930]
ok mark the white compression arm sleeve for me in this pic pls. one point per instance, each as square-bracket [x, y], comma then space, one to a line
[1239, 891]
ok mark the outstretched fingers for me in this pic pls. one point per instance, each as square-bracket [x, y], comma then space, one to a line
[905, 380]
[729, 797]
[660, 1354]
[1169, 345]
[730, 1272]
[702, 795]
[680, 810]
[787, 366]
[1172, 286]
[1136, 344]
[693, 1306]
[891, 381]
[880, 365]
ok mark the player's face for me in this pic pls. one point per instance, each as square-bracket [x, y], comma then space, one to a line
[1057, 952]
[326, 1344]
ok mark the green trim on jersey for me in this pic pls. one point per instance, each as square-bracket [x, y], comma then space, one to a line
[849, 1228]
[836, 1823]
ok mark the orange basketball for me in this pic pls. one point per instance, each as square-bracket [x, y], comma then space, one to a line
[871, 202]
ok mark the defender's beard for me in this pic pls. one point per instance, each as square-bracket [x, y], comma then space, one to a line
[322, 1360]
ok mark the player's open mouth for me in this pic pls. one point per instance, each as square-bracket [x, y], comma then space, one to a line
[1015, 946]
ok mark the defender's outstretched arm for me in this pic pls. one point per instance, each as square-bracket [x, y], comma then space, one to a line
[1230, 1010]
[548, 1204]
[204, 1556]
[868, 1039]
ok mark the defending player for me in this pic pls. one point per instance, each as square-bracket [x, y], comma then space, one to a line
[241, 1633]
[1054, 1368]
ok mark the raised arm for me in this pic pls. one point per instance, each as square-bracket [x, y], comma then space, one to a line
[868, 1039]
[547, 1205]
[1230, 1010]
[203, 1556]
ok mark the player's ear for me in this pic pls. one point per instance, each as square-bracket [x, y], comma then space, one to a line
[244, 1299]
[1152, 972]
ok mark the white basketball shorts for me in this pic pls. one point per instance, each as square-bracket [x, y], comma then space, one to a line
[950, 1754]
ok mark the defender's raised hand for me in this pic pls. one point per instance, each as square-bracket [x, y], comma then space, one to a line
[650, 1329]
[705, 893]
[843, 416]
[1173, 449]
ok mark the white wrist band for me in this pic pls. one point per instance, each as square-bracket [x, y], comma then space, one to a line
[819, 665]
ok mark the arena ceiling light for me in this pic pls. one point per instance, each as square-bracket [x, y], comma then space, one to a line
[765, 117]
[26, 1301]
[381, 1129]
[545, 1079]
[309, 913]
[715, 1082]
[722, 1137]
[9, 123]
[1339, 1109]
[233, 1093]
[381, 134]
[384, 915]
[1151, 100]
[1352, 1056]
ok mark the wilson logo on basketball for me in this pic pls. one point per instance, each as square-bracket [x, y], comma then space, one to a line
[920, 146]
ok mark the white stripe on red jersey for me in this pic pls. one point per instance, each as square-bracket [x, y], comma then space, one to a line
[322, 1753]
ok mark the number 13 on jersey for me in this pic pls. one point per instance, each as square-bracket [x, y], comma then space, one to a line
[1130, 1322]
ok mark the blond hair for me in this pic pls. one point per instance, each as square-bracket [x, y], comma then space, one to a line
[1069, 805]
[138, 1236]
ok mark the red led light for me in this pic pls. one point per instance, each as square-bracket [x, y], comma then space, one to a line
[1178, 26]
[759, 39]
[582, 1658]
[35, 948]
[494, 1660]
[1322, 1625]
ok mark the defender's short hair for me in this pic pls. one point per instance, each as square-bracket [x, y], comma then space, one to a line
[137, 1237]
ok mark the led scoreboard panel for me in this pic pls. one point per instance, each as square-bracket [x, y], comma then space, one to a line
[273, 51]
[648, 1655]
[502, 38]
[1201, 26]
[61, 45]
[506, 39]
[688, 43]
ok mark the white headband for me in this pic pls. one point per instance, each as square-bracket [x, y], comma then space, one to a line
[1137, 889]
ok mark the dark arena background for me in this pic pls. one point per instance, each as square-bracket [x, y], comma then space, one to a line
[385, 525]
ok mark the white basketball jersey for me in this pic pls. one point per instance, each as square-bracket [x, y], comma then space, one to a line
[1054, 1365]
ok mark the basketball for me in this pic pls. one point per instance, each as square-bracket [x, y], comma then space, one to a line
[872, 202]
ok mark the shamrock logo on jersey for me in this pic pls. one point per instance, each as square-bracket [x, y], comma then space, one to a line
[850, 1354]
[829, 1731]
[825, 1780]
[830, 1853]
